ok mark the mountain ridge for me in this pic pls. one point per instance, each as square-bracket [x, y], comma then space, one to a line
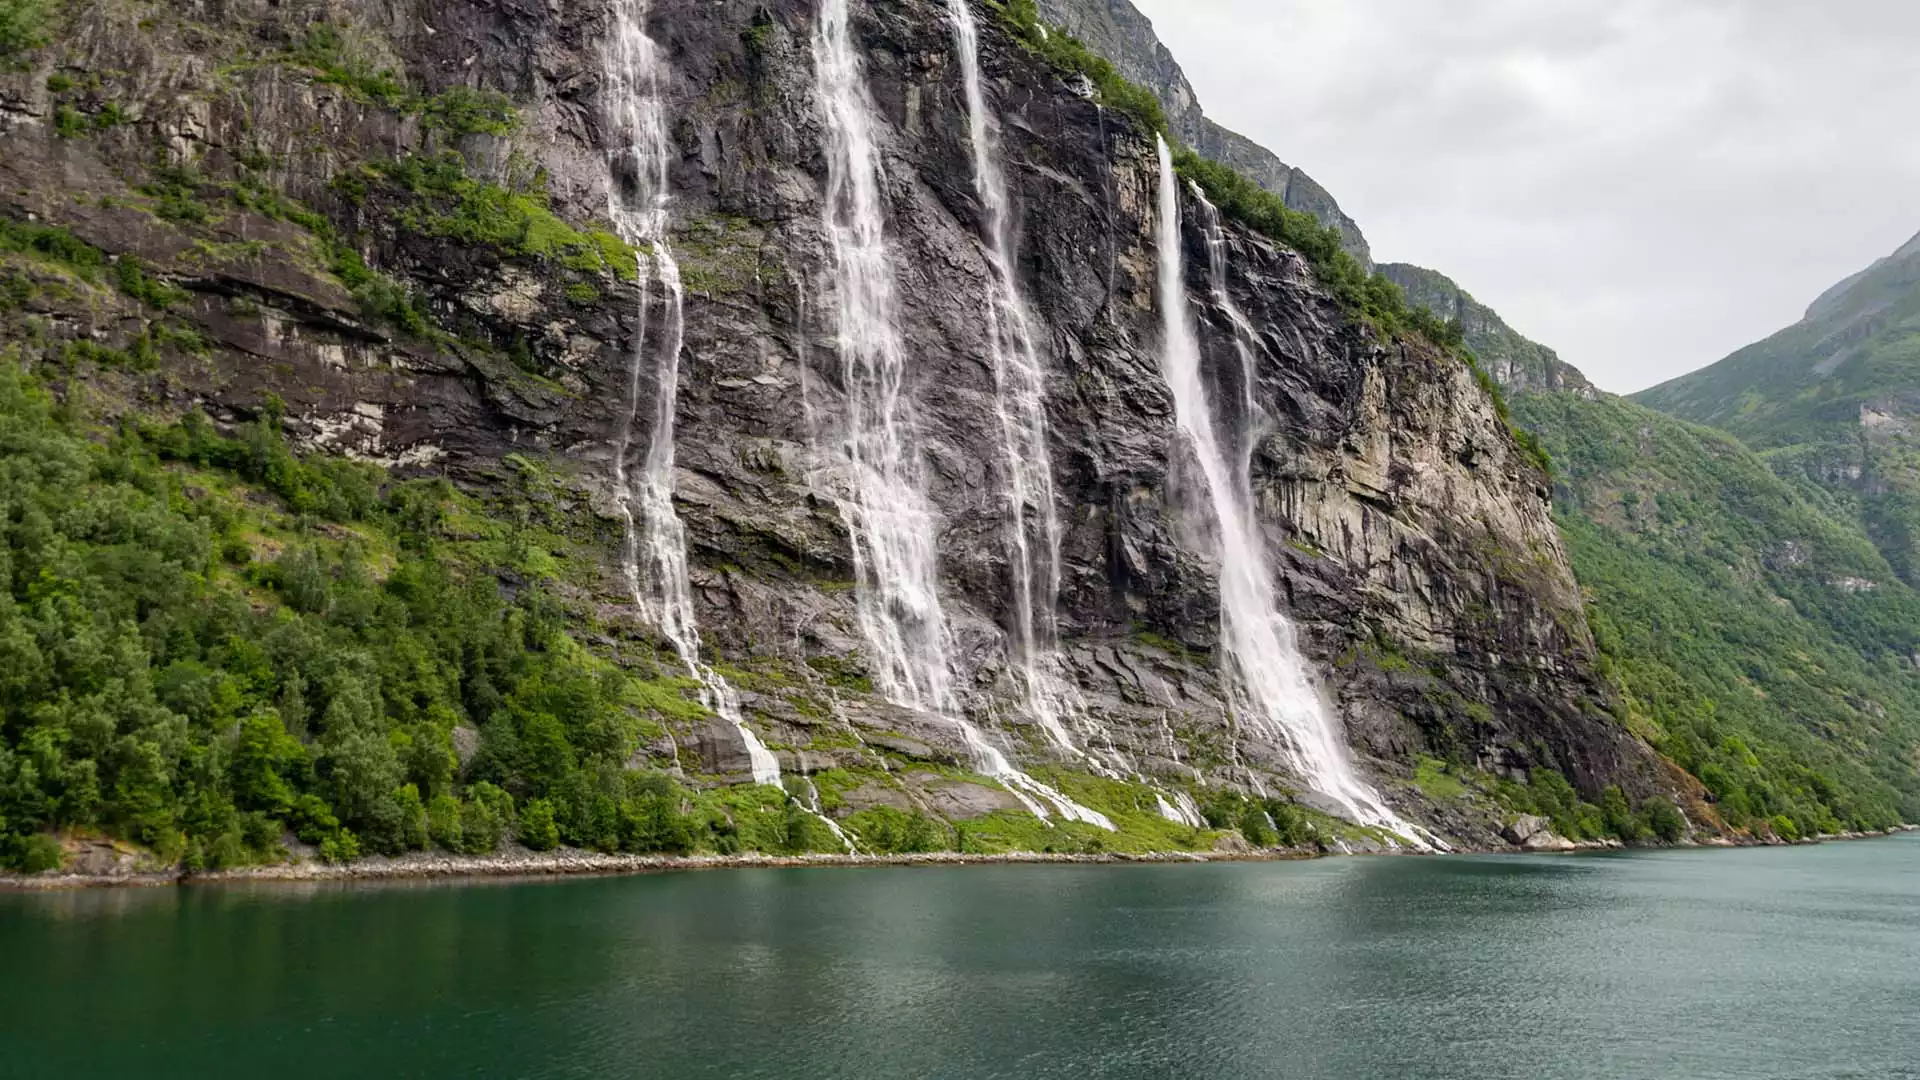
[1119, 31]
[1833, 400]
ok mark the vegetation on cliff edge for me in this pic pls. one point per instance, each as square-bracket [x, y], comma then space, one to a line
[1370, 297]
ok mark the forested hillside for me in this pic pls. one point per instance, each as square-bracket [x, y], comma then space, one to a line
[1759, 639]
[1832, 402]
[208, 642]
[1761, 644]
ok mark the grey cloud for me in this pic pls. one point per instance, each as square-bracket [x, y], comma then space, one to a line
[1645, 185]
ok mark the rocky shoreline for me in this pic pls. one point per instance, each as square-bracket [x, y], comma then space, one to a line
[522, 863]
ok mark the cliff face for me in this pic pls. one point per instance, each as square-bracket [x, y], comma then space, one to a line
[252, 154]
[1710, 581]
[1118, 31]
[1521, 365]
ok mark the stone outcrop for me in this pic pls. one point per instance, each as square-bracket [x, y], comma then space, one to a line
[1118, 31]
[1412, 535]
[1517, 363]
[1530, 832]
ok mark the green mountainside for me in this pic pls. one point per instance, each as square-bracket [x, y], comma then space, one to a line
[1520, 364]
[1760, 641]
[1832, 401]
[312, 466]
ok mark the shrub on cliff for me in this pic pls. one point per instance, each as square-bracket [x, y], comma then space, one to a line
[22, 27]
[1066, 53]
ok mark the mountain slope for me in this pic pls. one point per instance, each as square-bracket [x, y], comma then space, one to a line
[1833, 401]
[1759, 641]
[1761, 644]
[1516, 362]
[1118, 31]
[245, 241]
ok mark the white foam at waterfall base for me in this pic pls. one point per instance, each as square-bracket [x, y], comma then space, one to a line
[890, 520]
[1180, 810]
[654, 552]
[1268, 680]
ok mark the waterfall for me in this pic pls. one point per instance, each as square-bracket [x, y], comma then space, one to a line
[1019, 378]
[654, 551]
[891, 521]
[1269, 683]
[1181, 810]
[812, 806]
[1253, 420]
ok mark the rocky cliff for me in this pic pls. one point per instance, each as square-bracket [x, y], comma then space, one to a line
[1516, 362]
[1118, 31]
[389, 225]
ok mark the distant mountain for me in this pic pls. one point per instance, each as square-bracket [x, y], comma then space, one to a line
[1518, 363]
[1759, 640]
[1118, 31]
[1833, 402]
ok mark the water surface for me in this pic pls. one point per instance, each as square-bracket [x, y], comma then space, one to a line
[1763, 963]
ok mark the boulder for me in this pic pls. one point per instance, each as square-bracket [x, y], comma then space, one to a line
[1521, 829]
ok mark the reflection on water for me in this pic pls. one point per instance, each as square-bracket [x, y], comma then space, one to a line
[1803, 962]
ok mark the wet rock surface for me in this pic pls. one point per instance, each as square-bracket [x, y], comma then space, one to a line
[1412, 538]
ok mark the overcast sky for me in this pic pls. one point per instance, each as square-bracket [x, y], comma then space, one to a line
[1644, 185]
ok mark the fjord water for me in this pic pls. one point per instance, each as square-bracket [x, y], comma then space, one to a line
[1801, 962]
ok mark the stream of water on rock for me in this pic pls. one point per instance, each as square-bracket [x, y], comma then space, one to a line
[1033, 516]
[891, 520]
[1269, 683]
[1019, 380]
[654, 553]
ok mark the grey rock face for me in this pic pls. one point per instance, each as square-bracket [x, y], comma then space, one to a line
[1411, 536]
[1118, 31]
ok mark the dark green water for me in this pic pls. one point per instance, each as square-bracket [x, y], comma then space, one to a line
[1768, 963]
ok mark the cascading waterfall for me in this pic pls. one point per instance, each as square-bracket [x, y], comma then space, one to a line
[1033, 519]
[1253, 420]
[1269, 681]
[654, 553]
[814, 807]
[890, 519]
[891, 522]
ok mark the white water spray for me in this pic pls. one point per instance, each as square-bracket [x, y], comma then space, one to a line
[1268, 680]
[812, 806]
[1019, 378]
[891, 521]
[1180, 810]
[654, 554]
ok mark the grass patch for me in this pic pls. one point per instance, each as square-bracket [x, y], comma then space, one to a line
[23, 28]
[452, 205]
[1435, 779]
